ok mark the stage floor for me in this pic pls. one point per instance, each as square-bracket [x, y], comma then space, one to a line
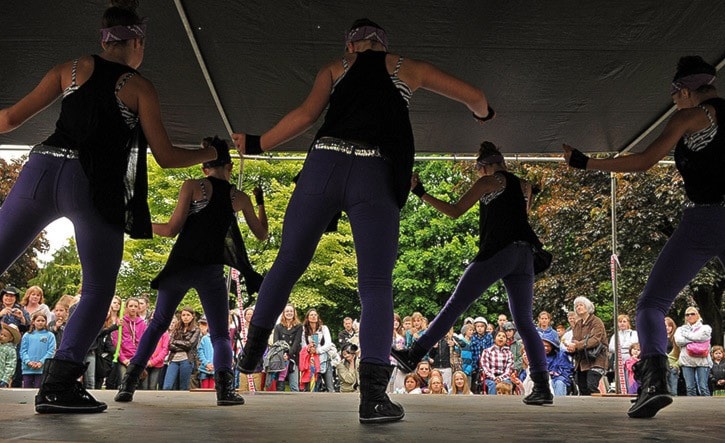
[162, 416]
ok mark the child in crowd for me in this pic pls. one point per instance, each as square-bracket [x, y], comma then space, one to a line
[206, 356]
[36, 346]
[9, 339]
[61, 318]
[460, 384]
[634, 352]
[412, 385]
[435, 385]
[717, 372]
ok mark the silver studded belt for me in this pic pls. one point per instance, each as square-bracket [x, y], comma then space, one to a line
[346, 147]
[54, 151]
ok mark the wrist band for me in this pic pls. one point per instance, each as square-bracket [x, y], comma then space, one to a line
[491, 114]
[259, 199]
[418, 190]
[252, 144]
[578, 160]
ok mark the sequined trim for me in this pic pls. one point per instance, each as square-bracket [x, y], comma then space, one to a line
[339, 145]
[53, 151]
[690, 204]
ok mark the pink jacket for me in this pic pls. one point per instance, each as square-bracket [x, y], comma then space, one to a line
[132, 330]
[162, 350]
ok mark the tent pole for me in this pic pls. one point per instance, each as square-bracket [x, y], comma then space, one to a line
[614, 262]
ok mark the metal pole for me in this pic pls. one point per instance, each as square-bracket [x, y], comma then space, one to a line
[614, 261]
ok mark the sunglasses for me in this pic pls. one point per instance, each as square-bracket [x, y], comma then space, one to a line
[689, 314]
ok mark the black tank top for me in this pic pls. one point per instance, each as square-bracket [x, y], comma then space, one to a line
[212, 236]
[503, 219]
[703, 171]
[367, 108]
[113, 155]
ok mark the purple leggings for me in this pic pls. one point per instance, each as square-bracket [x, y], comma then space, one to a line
[699, 237]
[362, 187]
[209, 282]
[514, 264]
[47, 189]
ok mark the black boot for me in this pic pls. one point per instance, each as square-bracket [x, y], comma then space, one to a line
[408, 359]
[375, 405]
[129, 383]
[541, 394]
[652, 394]
[226, 395]
[254, 349]
[61, 392]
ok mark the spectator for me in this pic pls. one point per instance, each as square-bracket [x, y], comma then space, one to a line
[347, 370]
[460, 384]
[412, 385]
[440, 357]
[12, 312]
[693, 338]
[33, 301]
[398, 378]
[318, 341]
[634, 353]
[144, 308]
[60, 313]
[673, 356]
[560, 331]
[183, 345]
[347, 332]
[572, 318]
[468, 364]
[497, 364]
[289, 329]
[544, 323]
[407, 324]
[417, 328]
[515, 344]
[717, 372]
[588, 344]
[105, 348]
[257, 377]
[560, 368]
[205, 354]
[132, 328]
[436, 385]
[37, 346]
[9, 340]
[479, 341]
[422, 370]
[627, 336]
[501, 320]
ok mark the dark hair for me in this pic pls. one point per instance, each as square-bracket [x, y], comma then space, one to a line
[222, 150]
[694, 64]
[487, 148]
[364, 22]
[121, 13]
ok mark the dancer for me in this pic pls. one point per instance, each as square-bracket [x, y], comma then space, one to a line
[92, 170]
[360, 163]
[696, 133]
[209, 237]
[505, 253]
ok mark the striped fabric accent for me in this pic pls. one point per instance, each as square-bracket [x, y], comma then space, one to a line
[129, 117]
[700, 139]
[400, 85]
[73, 87]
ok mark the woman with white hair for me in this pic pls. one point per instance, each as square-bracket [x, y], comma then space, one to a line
[589, 346]
[693, 338]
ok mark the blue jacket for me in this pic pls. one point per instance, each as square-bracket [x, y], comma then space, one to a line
[206, 354]
[36, 346]
[560, 368]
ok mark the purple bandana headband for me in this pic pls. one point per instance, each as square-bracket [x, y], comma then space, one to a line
[367, 33]
[691, 82]
[490, 159]
[120, 33]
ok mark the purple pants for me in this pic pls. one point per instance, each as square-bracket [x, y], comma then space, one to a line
[209, 282]
[515, 265]
[699, 237]
[330, 182]
[47, 189]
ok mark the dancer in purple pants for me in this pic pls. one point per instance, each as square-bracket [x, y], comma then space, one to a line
[92, 170]
[360, 163]
[697, 132]
[505, 253]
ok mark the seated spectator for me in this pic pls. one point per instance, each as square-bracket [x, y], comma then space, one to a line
[412, 385]
[460, 384]
[514, 343]
[347, 369]
[440, 356]
[9, 340]
[497, 364]
[468, 365]
[423, 373]
[560, 368]
[435, 385]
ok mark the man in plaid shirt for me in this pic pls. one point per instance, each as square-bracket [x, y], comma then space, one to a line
[497, 364]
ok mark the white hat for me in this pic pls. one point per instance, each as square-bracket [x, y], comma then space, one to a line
[480, 320]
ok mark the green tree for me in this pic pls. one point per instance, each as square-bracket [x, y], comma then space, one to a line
[62, 274]
[26, 266]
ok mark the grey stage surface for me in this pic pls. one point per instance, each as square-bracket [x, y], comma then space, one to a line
[162, 416]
